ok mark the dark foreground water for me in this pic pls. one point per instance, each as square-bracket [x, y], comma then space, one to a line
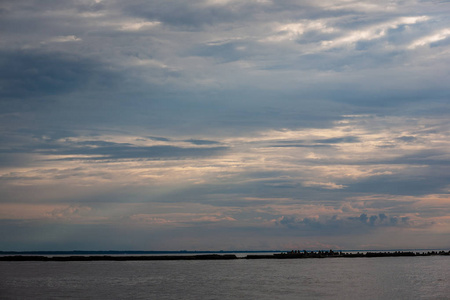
[327, 278]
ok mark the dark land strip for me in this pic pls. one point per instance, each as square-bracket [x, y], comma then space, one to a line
[283, 255]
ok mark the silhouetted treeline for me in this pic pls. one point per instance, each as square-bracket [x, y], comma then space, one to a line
[284, 255]
[331, 253]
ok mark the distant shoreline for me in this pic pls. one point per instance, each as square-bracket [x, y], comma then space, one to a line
[134, 252]
[282, 255]
[195, 252]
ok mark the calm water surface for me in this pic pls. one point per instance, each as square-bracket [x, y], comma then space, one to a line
[328, 278]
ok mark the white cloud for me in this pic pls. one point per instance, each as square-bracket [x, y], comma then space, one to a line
[372, 32]
[137, 25]
[65, 39]
[435, 37]
[364, 6]
[324, 185]
[293, 31]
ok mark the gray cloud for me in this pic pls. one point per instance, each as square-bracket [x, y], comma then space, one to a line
[202, 142]
[400, 185]
[100, 150]
[25, 74]
[300, 146]
[320, 143]
[347, 139]
[194, 14]
[161, 139]
[346, 225]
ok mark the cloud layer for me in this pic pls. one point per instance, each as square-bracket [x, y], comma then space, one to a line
[224, 124]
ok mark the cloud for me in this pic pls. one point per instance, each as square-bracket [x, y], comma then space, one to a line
[347, 139]
[70, 212]
[202, 142]
[136, 26]
[65, 39]
[300, 146]
[427, 40]
[324, 185]
[31, 74]
[101, 150]
[178, 13]
[328, 225]
[373, 32]
[327, 118]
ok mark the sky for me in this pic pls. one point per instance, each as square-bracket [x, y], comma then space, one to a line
[224, 124]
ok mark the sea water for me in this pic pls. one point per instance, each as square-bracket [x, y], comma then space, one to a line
[325, 278]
